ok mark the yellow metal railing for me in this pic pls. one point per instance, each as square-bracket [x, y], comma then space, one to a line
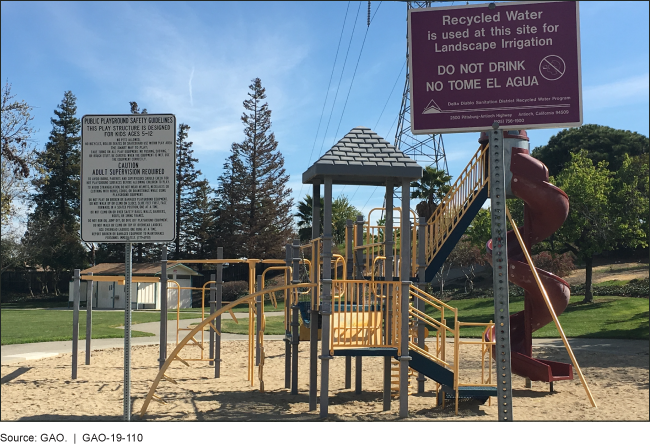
[365, 314]
[439, 324]
[374, 239]
[227, 308]
[461, 195]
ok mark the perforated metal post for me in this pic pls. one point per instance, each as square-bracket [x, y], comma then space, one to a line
[388, 275]
[89, 317]
[127, 331]
[326, 298]
[405, 275]
[75, 322]
[500, 274]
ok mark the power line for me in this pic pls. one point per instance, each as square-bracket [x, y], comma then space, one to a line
[339, 85]
[327, 91]
[351, 83]
[399, 76]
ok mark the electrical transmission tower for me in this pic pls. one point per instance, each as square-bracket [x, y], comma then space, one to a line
[428, 150]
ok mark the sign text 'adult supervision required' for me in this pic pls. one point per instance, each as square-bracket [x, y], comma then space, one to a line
[128, 165]
[516, 63]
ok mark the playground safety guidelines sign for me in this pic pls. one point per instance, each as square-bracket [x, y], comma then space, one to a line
[128, 165]
[516, 63]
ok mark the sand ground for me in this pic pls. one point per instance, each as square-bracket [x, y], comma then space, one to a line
[42, 390]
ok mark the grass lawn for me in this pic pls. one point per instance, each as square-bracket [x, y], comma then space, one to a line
[608, 317]
[241, 308]
[27, 326]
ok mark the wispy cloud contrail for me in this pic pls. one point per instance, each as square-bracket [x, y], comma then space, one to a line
[191, 98]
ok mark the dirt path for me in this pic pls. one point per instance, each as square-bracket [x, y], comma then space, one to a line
[614, 271]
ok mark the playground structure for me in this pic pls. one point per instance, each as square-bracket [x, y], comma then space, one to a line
[376, 305]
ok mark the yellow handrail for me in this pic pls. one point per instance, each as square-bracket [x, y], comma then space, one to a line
[462, 193]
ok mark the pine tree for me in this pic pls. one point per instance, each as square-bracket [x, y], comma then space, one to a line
[199, 225]
[230, 193]
[114, 252]
[53, 227]
[186, 185]
[263, 218]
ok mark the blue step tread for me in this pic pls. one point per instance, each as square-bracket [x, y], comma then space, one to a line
[469, 392]
[372, 351]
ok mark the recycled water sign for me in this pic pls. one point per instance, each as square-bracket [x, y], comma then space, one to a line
[128, 165]
[517, 63]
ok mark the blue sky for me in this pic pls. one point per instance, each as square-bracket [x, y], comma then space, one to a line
[196, 60]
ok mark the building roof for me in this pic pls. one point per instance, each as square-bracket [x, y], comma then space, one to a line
[365, 158]
[138, 269]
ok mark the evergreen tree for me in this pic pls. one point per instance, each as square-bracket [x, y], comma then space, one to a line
[261, 218]
[186, 187]
[230, 192]
[53, 227]
[200, 223]
[114, 252]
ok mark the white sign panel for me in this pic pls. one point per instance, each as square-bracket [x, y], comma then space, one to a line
[128, 165]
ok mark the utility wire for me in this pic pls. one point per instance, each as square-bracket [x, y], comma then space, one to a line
[328, 92]
[339, 85]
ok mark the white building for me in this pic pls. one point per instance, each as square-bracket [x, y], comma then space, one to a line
[144, 295]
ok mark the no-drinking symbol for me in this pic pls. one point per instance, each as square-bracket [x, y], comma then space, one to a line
[552, 67]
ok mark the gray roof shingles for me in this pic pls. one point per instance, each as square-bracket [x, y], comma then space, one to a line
[362, 157]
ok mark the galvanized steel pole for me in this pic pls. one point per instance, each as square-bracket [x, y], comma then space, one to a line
[89, 317]
[127, 331]
[405, 275]
[75, 322]
[163, 306]
[500, 273]
[326, 298]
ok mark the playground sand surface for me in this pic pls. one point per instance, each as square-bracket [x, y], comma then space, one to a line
[45, 392]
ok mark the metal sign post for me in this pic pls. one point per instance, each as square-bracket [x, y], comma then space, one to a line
[127, 331]
[500, 274]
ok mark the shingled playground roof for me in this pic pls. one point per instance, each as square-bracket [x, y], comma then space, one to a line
[365, 158]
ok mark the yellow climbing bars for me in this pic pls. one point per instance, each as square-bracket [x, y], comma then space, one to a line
[174, 355]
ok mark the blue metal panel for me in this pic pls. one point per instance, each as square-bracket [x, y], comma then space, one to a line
[431, 369]
[455, 236]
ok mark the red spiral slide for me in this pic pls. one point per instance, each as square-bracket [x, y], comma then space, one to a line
[546, 207]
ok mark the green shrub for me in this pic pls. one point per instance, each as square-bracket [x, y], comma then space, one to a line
[234, 290]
